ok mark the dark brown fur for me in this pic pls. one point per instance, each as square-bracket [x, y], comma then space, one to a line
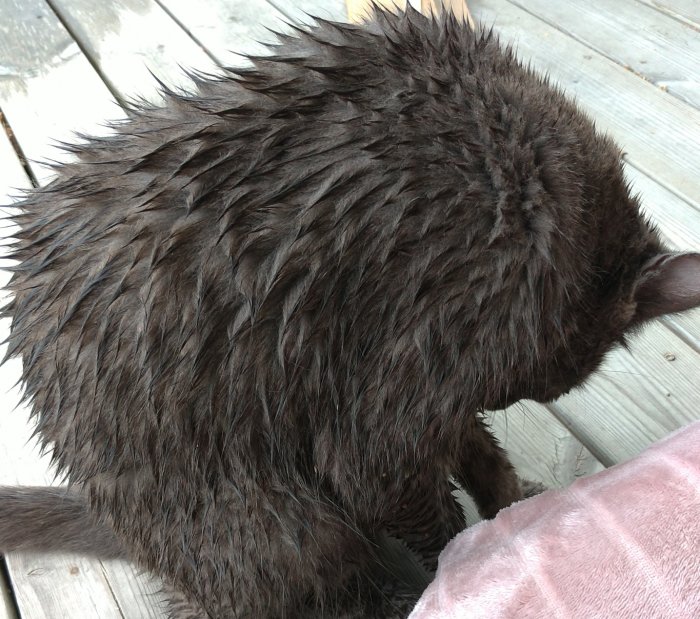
[258, 324]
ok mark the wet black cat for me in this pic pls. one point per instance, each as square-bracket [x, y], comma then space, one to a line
[258, 324]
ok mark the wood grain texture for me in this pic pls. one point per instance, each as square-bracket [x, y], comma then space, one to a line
[687, 11]
[128, 40]
[228, 28]
[540, 447]
[659, 133]
[43, 65]
[636, 397]
[7, 608]
[138, 593]
[676, 219]
[652, 45]
[300, 10]
[12, 181]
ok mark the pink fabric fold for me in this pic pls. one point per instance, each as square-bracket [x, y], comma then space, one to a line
[622, 543]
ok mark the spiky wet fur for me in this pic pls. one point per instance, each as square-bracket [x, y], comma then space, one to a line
[258, 323]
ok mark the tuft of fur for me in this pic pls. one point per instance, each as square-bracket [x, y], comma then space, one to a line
[258, 324]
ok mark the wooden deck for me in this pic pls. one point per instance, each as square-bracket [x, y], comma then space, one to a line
[633, 64]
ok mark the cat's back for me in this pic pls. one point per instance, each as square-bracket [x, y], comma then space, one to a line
[206, 237]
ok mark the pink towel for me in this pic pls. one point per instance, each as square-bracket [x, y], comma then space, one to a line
[622, 543]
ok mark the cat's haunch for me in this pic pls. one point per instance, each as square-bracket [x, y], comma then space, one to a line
[258, 323]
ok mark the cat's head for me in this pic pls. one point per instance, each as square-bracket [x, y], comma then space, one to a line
[635, 279]
[664, 283]
[620, 276]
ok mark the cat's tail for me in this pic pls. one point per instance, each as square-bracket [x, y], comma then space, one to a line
[47, 519]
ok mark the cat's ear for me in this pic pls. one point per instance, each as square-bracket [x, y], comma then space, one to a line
[668, 283]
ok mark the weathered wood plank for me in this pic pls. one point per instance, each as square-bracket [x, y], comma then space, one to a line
[300, 10]
[656, 47]
[228, 28]
[139, 594]
[7, 603]
[41, 63]
[677, 220]
[659, 133]
[62, 586]
[684, 10]
[636, 398]
[540, 447]
[12, 180]
[128, 39]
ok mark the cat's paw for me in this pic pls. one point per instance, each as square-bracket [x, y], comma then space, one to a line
[531, 488]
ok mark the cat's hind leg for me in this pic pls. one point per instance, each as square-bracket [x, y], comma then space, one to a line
[253, 552]
[484, 471]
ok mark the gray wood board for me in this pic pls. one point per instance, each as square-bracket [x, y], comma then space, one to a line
[677, 220]
[228, 28]
[299, 10]
[636, 397]
[541, 448]
[7, 609]
[48, 90]
[687, 11]
[127, 40]
[651, 44]
[658, 132]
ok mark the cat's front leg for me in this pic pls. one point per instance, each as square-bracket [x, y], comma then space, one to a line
[484, 471]
[425, 516]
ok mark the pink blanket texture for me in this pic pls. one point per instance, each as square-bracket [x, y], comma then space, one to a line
[622, 543]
